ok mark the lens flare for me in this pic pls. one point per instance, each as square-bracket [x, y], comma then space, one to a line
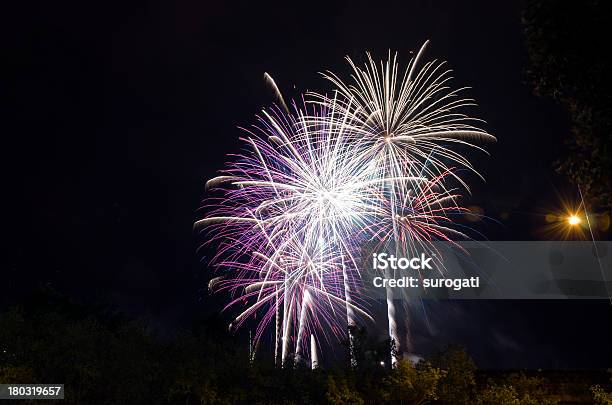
[574, 220]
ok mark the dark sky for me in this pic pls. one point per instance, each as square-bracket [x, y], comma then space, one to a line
[119, 111]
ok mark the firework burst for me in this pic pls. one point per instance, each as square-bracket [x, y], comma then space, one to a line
[290, 220]
[408, 124]
[408, 120]
[317, 181]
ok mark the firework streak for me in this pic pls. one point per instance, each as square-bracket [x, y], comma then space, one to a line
[289, 215]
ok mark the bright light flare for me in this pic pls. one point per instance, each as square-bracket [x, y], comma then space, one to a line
[574, 220]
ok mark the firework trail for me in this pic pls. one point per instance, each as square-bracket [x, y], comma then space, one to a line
[314, 357]
[407, 124]
[277, 93]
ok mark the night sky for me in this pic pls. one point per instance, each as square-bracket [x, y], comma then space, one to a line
[118, 112]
